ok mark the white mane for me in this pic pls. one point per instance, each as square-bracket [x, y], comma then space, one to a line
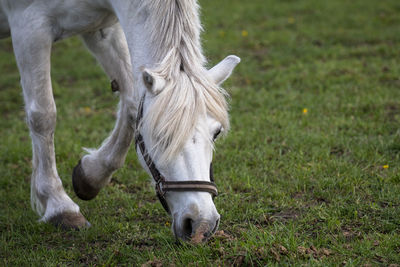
[189, 93]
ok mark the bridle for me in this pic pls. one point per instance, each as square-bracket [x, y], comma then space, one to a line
[162, 186]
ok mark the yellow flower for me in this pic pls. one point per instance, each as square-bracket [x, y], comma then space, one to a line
[87, 110]
[167, 223]
[305, 111]
[385, 166]
[245, 33]
[290, 20]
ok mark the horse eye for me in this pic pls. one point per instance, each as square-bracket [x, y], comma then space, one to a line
[216, 134]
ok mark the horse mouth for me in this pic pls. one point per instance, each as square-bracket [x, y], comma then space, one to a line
[215, 228]
[201, 234]
[210, 234]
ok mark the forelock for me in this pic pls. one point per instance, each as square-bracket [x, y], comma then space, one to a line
[175, 112]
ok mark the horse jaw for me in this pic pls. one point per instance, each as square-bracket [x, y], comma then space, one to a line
[220, 72]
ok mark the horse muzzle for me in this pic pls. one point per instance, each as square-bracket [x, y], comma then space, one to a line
[194, 229]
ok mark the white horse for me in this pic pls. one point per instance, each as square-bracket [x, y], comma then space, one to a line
[151, 51]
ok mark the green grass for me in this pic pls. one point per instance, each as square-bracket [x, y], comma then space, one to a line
[296, 189]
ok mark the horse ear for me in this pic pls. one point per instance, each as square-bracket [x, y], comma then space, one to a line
[220, 72]
[153, 83]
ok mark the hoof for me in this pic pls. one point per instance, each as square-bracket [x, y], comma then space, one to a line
[69, 220]
[82, 189]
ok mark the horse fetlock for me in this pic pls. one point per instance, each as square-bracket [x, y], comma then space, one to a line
[43, 189]
[38, 201]
[83, 189]
[58, 203]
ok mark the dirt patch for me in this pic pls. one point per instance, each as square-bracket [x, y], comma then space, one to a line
[350, 233]
[88, 259]
[142, 244]
[317, 253]
[280, 216]
[337, 151]
[144, 216]
[390, 81]
[133, 189]
[221, 234]
[340, 72]
[286, 215]
[153, 263]
[317, 43]
[310, 199]
[239, 260]
[240, 188]
[278, 251]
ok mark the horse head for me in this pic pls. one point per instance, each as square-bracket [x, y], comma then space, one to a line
[181, 113]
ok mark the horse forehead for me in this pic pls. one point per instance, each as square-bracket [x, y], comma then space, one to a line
[211, 122]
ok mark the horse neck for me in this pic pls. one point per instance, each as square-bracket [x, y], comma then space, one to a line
[144, 49]
[132, 20]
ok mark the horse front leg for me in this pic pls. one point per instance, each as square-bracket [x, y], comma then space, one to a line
[94, 170]
[32, 47]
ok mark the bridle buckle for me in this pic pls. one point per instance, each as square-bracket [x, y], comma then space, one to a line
[159, 187]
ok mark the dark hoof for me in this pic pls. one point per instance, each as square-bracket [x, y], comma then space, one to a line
[70, 220]
[82, 189]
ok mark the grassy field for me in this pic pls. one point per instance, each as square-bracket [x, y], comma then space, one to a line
[309, 174]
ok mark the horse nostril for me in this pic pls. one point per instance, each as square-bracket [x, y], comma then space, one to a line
[187, 227]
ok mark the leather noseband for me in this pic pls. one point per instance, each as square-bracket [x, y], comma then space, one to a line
[162, 186]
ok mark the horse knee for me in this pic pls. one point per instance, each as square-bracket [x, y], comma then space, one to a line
[42, 121]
